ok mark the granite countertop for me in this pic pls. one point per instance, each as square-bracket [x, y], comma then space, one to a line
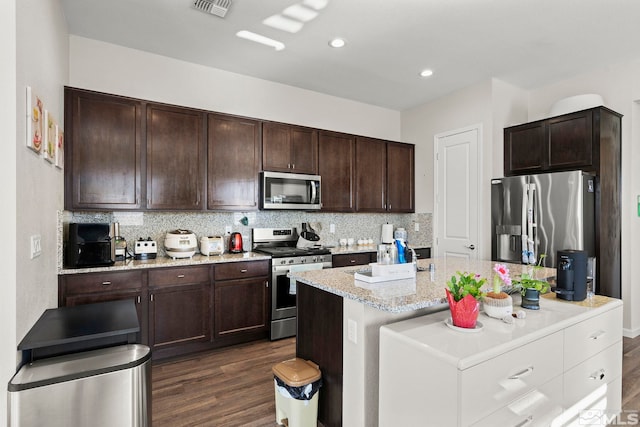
[427, 290]
[163, 261]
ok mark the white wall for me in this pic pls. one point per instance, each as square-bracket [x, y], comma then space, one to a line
[113, 69]
[8, 195]
[464, 108]
[619, 86]
[42, 63]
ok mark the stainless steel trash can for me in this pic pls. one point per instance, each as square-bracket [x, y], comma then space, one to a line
[109, 387]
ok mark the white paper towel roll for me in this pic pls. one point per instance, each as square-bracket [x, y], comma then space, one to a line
[387, 233]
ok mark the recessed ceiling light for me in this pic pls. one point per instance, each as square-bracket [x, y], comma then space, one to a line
[426, 73]
[248, 35]
[283, 23]
[337, 42]
[299, 12]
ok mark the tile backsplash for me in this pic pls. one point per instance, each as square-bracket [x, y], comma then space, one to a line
[356, 226]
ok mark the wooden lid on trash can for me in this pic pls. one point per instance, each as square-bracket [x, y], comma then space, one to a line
[297, 372]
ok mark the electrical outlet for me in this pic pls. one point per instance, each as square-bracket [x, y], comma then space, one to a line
[36, 246]
[332, 228]
[352, 331]
[227, 229]
[416, 226]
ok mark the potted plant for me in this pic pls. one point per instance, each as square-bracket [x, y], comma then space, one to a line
[531, 289]
[463, 295]
[496, 303]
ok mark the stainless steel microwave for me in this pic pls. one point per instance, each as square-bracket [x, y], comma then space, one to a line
[294, 191]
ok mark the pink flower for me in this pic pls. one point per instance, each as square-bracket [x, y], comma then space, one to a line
[503, 273]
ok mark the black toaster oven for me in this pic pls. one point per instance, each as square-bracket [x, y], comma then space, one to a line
[89, 245]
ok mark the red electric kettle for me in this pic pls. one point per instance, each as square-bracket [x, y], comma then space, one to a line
[235, 243]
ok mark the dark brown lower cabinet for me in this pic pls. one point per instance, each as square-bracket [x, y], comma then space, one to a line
[77, 289]
[240, 306]
[319, 339]
[183, 309]
[179, 310]
[241, 301]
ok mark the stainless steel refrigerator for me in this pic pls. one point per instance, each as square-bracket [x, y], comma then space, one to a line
[542, 214]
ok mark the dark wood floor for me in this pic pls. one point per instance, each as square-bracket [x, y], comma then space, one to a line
[234, 386]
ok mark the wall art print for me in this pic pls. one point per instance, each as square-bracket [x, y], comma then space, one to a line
[35, 121]
[50, 137]
[60, 147]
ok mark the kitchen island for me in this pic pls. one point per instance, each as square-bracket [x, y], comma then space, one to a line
[339, 325]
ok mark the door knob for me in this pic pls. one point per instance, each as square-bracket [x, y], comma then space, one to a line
[472, 247]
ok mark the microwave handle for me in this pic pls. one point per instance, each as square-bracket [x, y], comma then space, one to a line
[313, 191]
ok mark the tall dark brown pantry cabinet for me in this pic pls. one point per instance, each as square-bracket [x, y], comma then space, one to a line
[103, 153]
[588, 140]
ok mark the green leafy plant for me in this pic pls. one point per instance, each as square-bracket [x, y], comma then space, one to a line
[466, 284]
[527, 282]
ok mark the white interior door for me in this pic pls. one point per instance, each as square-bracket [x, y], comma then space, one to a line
[457, 182]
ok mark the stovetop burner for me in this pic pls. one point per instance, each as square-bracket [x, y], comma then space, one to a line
[289, 251]
[281, 243]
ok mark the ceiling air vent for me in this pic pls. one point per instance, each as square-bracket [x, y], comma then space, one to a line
[214, 7]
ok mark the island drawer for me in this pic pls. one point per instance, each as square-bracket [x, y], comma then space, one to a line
[101, 282]
[583, 340]
[597, 371]
[539, 407]
[492, 384]
[241, 270]
[178, 275]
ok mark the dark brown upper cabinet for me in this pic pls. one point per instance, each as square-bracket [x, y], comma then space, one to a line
[287, 148]
[336, 166]
[233, 162]
[384, 176]
[400, 177]
[103, 155]
[561, 143]
[176, 147]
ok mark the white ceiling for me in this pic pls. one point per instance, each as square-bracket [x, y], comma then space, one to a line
[527, 43]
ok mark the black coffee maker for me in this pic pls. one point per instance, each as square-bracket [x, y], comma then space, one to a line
[571, 279]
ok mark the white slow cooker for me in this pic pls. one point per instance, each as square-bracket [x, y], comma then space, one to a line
[180, 244]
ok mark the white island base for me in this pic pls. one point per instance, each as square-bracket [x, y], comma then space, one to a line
[559, 366]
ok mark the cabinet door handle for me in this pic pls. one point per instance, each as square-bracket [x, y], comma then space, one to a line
[266, 283]
[352, 261]
[138, 299]
[180, 276]
[526, 422]
[244, 270]
[151, 297]
[599, 375]
[522, 373]
[288, 165]
[597, 335]
[293, 165]
[106, 283]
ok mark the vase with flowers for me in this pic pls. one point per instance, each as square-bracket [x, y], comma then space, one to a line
[497, 303]
[463, 295]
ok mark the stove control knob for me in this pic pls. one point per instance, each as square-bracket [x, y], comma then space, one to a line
[314, 259]
[290, 261]
[302, 261]
[283, 261]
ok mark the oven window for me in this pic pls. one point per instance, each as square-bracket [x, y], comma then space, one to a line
[284, 299]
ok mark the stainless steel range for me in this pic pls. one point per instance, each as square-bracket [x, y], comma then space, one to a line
[280, 243]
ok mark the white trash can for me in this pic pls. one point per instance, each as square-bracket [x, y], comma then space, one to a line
[297, 383]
